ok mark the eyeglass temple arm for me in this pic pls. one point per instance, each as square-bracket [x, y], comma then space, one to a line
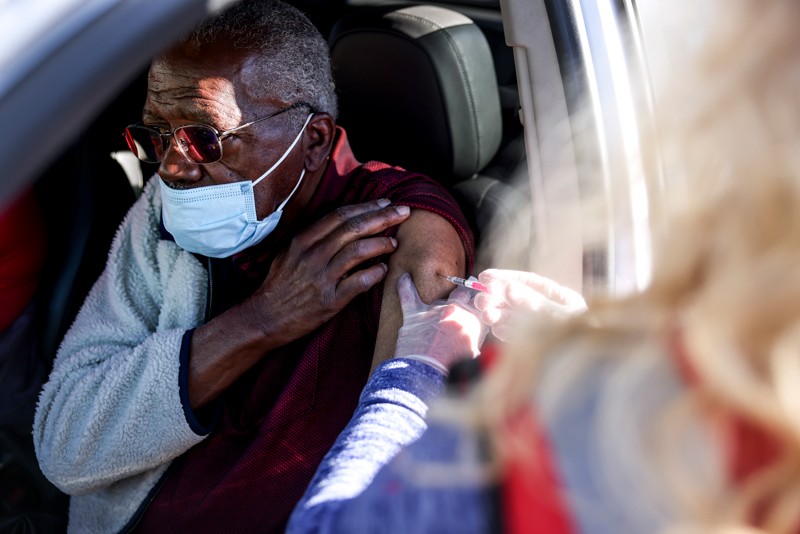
[245, 125]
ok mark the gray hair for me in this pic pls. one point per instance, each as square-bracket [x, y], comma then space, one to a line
[286, 42]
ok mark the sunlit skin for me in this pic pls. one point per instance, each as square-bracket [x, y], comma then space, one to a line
[306, 285]
[220, 88]
[445, 332]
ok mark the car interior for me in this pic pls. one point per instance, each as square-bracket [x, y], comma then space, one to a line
[441, 87]
[479, 100]
[429, 87]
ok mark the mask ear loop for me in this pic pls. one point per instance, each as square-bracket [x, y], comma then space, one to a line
[302, 173]
[288, 150]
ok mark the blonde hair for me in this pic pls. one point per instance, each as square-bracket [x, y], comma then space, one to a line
[726, 282]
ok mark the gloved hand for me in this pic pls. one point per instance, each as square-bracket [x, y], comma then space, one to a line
[440, 333]
[509, 291]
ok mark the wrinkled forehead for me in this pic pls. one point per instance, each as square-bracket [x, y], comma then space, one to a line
[210, 83]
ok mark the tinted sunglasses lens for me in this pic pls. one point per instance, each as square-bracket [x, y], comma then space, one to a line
[199, 143]
[145, 143]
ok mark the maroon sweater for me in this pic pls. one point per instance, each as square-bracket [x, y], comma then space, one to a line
[277, 421]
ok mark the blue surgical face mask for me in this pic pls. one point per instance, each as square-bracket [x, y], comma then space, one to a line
[220, 220]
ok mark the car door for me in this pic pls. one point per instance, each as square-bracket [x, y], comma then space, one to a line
[584, 98]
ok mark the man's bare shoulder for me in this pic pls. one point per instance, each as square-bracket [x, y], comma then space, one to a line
[427, 246]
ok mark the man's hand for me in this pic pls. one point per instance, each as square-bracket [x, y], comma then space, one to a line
[307, 284]
[439, 333]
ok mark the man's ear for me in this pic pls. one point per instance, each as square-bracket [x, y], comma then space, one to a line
[319, 140]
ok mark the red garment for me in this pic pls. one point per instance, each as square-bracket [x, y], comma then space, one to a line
[532, 497]
[22, 248]
[748, 448]
[279, 419]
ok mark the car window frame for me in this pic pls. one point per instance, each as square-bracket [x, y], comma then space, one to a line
[54, 84]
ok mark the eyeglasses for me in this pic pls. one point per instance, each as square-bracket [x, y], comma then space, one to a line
[199, 143]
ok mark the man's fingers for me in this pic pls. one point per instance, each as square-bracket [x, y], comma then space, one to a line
[359, 226]
[358, 282]
[337, 217]
[359, 251]
[344, 213]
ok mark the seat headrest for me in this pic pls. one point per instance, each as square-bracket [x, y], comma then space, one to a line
[417, 88]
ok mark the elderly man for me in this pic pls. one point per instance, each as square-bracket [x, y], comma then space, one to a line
[226, 343]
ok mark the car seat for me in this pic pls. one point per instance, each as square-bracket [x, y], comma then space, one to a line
[84, 194]
[417, 88]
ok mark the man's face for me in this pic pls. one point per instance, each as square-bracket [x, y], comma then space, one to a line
[219, 87]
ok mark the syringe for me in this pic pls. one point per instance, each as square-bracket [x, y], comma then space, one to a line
[472, 284]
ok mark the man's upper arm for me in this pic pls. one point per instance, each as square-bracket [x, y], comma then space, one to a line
[427, 245]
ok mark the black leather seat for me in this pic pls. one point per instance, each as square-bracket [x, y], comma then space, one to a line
[417, 88]
[84, 195]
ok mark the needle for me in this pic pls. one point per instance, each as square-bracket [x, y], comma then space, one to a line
[472, 284]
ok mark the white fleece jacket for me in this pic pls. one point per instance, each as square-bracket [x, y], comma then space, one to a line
[110, 418]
